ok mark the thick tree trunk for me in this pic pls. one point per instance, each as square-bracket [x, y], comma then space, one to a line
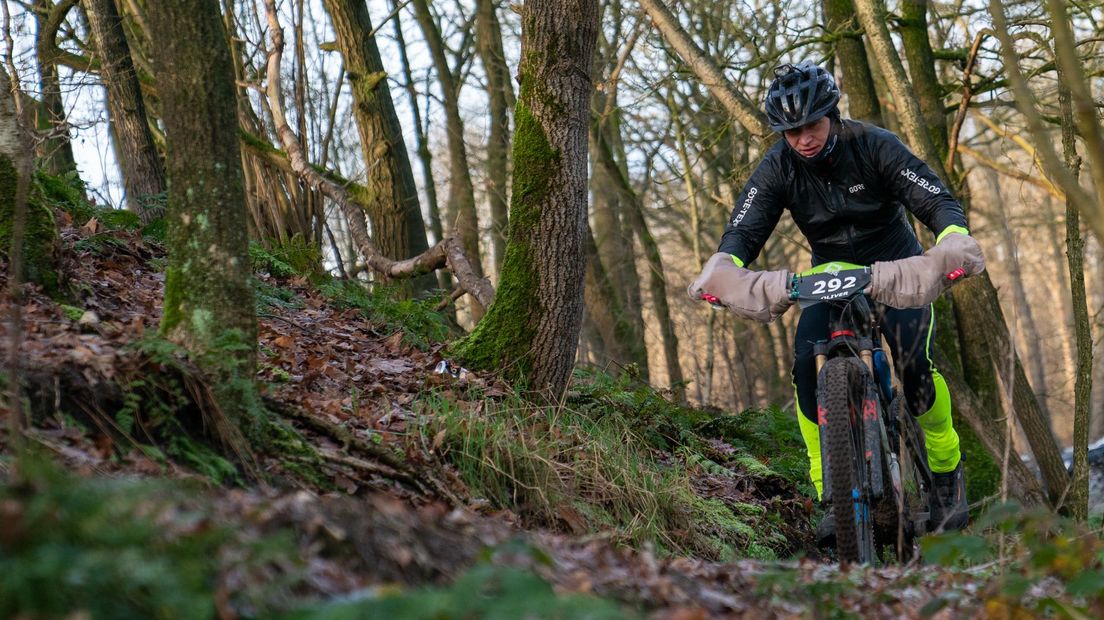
[858, 83]
[461, 200]
[208, 299]
[143, 171]
[391, 195]
[532, 329]
[500, 96]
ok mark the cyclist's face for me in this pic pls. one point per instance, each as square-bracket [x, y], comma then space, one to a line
[808, 139]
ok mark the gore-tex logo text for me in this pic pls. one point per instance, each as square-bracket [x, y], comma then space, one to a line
[747, 205]
[856, 188]
[919, 180]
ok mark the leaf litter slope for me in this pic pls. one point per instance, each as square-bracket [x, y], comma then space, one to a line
[361, 520]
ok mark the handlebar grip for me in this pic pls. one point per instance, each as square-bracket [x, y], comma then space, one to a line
[712, 299]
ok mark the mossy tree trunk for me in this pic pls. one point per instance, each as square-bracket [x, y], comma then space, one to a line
[38, 252]
[858, 83]
[143, 171]
[392, 200]
[209, 305]
[531, 330]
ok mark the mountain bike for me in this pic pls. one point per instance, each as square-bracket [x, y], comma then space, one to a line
[875, 467]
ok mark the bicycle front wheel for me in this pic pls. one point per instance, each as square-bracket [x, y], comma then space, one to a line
[840, 393]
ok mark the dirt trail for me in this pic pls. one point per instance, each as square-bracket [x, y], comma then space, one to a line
[384, 519]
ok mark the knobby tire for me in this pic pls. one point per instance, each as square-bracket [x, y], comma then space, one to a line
[841, 398]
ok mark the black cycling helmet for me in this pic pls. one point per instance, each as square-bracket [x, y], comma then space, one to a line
[800, 94]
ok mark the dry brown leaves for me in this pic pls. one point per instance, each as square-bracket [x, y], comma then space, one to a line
[337, 366]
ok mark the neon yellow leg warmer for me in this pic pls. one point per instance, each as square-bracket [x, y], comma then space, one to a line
[940, 437]
[810, 432]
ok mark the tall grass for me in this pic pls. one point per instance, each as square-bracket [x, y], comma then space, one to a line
[607, 461]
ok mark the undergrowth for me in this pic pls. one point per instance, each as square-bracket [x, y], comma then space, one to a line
[420, 324]
[1038, 563]
[615, 457]
[115, 548]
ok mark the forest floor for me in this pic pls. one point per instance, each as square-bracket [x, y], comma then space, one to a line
[392, 489]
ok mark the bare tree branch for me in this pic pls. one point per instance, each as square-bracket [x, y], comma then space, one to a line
[448, 252]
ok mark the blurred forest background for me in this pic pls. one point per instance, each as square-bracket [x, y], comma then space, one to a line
[410, 105]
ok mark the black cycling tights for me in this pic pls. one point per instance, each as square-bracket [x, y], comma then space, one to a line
[908, 334]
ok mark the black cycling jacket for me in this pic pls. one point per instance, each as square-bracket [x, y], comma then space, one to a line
[848, 206]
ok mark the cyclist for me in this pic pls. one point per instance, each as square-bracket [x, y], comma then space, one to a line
[845, 184]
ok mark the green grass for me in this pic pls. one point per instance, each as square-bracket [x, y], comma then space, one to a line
[420, 324]
[614, 458]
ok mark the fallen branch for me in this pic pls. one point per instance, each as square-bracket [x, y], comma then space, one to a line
[447, 253]
[404, 472]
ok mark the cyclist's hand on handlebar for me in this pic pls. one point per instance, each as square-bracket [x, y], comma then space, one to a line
[917, 281]
[758, 295]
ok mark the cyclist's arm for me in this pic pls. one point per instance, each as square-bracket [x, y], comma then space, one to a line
[757, 211]
[916, 185]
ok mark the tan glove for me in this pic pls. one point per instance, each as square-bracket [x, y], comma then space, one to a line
[917, 281]
[759, 295]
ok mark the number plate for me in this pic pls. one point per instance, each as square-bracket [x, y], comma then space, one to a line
[827, 286]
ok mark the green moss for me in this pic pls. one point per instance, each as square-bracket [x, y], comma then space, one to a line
[502, 339]
[72, 312]
[40, 236]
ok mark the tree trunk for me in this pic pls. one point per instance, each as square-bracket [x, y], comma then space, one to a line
[858, 83]
[208, 299]
[1022, 484]
[872, 16]
[500, 96]
[421, 147]
[143, 171]
[532, 329]
[921, 63]
[23, 217]
[657, 283]
[616, 337]
[986, 342]
[56, 150]
[1082, 388]
[1019, 291]
[461, 201]
[392, 196]
[613, 236]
